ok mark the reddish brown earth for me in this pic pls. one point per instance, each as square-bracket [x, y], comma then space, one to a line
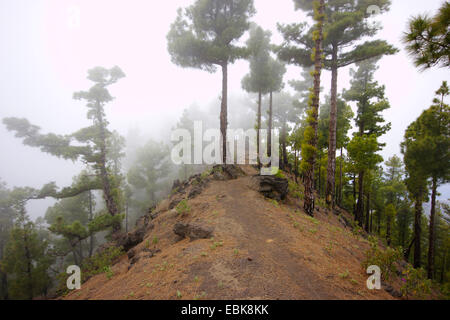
[260, 250]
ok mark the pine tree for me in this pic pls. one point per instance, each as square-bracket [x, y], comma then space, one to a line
[309, 148]
[427, 145]
[283, 113]
[345, 24]
[416, 182]
[258, 79]
[428, 39]
[70, 217]
[277, 71]
[92, 143]
[7, 214]
[419, 148]
[148, 174]
[343, 125]
[393, 189]
[203, 37]
[390, 213]
[371, 101]
[26, 258]
[362, 150]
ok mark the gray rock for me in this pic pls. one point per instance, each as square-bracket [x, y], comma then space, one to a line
[227, 172]
[193, 231]
[143, 221]
[270, 186]
[195, 191]
[130, 239]
[174, 203]
[389, 289]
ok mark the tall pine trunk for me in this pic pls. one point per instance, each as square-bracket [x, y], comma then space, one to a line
[378, 222]
[29, 266]
[331, 168]
[269, 135]
[107, 192]
[408, 249]
[354, 195]
[417, 231]
[126, 216]
[258, 121]
[91, 217]
[366, 226]
[284, 147]
[388, 230]
[360, 204]
[224, 112]
[314, 112]
[340, 179]
[296, 165]
[319, 189]
[3, 275]
[431, 239]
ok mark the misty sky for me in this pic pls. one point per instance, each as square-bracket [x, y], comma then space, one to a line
[48, 45]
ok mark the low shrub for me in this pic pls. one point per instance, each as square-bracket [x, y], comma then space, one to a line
[385, 259]
[415, 283]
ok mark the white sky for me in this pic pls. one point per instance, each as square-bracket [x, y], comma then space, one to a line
[46, 51]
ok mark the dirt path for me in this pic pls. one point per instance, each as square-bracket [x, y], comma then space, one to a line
[274, 264]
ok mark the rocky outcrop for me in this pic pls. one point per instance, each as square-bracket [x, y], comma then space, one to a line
[130, 239]
[270, 186]
[174, 202]
[389, 289]
[193, 231]
[134, 256]
[227, 172]
[195, 191]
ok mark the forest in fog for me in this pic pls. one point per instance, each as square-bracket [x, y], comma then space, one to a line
[80, 168]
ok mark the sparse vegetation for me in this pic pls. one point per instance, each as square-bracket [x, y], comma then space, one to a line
[108, 271]
[385, 259]
[183, 207]
[101, 262]
[415, 283]
[274, 202]
[216, 244]
[344, 275]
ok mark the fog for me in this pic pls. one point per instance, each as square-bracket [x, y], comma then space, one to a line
[47, 46]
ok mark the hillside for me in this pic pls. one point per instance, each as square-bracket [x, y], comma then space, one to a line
[258, 249]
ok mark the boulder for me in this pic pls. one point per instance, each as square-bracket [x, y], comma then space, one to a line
[270, 186]
[193, 231]
[389, 289]
[227, 172]
[174, 202]
[143, 221]
[130, 239]
[134, 256]
[176, 184]
[195, 191]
